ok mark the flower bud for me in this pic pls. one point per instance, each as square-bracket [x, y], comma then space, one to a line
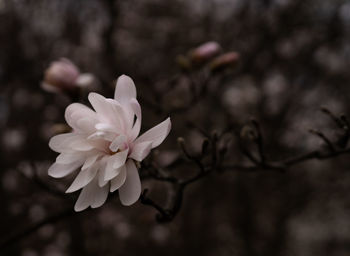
[63, 75]
[204, 52]
[223, 61]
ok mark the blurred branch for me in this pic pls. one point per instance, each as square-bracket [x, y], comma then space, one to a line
[210, 148]
[16, 237]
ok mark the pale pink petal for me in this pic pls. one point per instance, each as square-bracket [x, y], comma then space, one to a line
[130, 191]
[84, 177]
[119, 113]
[105, 127]
[100, 145]
[109, 136]
[86, 197]
[90, 160]
[125, 89]
[114, 163]
[61, 170]
[141, 150]
[91, 195]
[58, 143]
[112, 174]
[98, 102]
[107, 131]
[136, 108]
[100, 196]
[85, 124]
[156, 134]
[107, 112]
[69, 142]
[75, 112]
[67, 158]
[119, 158]
[117, 143]
[118, 181]
[102, 171]
[101, 178]
[81, 145]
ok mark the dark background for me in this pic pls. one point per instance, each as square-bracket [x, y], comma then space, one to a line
[295, 57]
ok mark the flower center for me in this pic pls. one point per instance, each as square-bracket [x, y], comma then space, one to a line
[113, 153]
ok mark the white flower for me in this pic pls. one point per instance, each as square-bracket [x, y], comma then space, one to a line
[105, 144]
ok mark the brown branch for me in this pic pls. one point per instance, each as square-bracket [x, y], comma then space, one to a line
[209, 147]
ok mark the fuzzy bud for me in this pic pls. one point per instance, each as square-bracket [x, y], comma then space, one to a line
[227, 60]
[63, 75]
[204, 52]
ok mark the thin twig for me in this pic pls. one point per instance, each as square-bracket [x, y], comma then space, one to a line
[324, 138]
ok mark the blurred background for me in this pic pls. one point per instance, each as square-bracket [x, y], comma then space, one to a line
[294, 56]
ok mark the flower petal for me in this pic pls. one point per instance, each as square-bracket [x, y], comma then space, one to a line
[90, 160]
[81, 145]
[108, 136]
[75, 112]
[125, 89]
[141, 150]
[61, 170]
[85, 124]
[102, 172]
[91, 195]
[98, 102]
[119, 159]
[130, 191]
[70, 142]
[119, 180]
[67, 158]
[100, 196]
[112, 174]
[84, 177]
[86, 197]
[57, 143]
[156, 134]
[117, 143]
[121, 117]
[104, 127]
[114, 163]
[108, 113]
[136, 108]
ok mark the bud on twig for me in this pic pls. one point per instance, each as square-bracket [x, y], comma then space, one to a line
[64, 76]
[204, 52]
[180, 140]
[227, 60]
